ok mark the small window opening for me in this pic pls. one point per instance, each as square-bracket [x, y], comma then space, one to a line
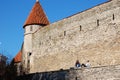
[28, 61]
[24, 61]
[80, 28]
[64, 33]
[97, 22]
[113, 17]
[30, 54]
[31, 28]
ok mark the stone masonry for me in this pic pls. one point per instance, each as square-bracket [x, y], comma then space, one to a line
[92, 35]
[96, 73]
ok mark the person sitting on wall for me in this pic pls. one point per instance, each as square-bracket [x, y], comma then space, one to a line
[83, 65]
[77, 64]
[88, 64]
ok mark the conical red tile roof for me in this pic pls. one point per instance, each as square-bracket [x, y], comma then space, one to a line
[36, 16]
[18, 57]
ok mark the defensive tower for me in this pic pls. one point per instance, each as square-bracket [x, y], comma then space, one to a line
[35, 21]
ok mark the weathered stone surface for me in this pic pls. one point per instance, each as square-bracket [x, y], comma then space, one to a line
[96, 73]
[60, 44]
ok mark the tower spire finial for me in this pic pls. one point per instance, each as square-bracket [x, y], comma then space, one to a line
[37, 0]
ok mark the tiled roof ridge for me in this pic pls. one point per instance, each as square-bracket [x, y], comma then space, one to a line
[18, 57]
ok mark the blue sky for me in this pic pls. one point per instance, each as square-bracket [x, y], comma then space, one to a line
[13, 14]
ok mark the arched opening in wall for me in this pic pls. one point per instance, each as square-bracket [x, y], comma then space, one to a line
[113, 17]
[98, 22]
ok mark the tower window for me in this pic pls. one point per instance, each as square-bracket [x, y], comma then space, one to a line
[30, 54]
[31, 28]
[28, 61]
[24, 61]
[97, 22]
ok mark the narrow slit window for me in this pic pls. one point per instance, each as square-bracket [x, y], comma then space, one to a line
[64, 33]
[39, 43]
[113, 17]
[80, 28]
[97, 22]
[31, 28]
[28, 61]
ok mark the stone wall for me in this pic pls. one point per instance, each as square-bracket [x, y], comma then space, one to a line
[96, 73]
[92, 35]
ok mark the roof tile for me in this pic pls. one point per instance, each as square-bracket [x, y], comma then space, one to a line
[36, 16]
[18, 57]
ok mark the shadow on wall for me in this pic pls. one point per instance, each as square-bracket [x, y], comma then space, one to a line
[57, 75]
[111, 72]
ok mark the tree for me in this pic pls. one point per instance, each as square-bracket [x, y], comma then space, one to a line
[10, 73]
